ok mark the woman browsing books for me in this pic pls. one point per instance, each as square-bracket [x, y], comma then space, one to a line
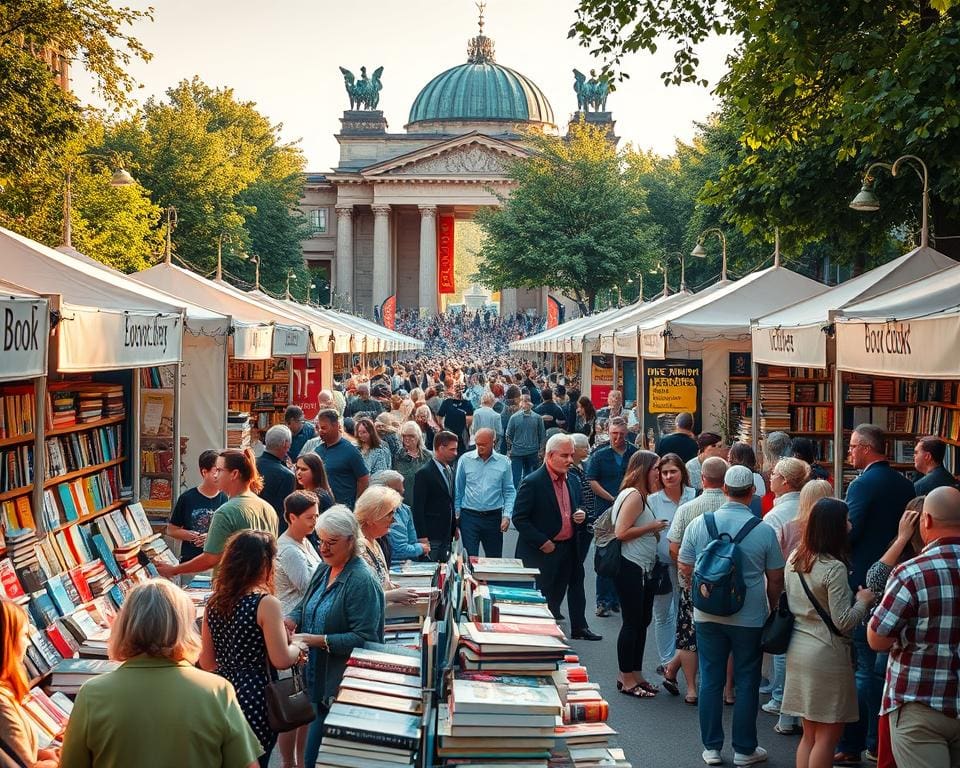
[244, 639]
[374, 511]
[17, 738]
[157, 708]
[342, 609]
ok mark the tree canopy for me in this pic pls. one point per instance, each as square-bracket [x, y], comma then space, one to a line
[573, 222]
[816, 91]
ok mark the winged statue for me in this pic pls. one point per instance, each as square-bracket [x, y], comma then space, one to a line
[365, 91]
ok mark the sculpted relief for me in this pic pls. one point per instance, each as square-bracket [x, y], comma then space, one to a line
[468, 161]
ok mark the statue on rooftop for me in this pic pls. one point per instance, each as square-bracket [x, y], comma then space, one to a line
[591, 93]
[365, 92]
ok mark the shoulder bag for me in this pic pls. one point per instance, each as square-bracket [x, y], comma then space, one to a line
[288, 704]
[659, 579]
[778, 628]
[606, 555]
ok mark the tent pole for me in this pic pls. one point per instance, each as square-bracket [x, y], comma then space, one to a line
[837, 432]
[754, 405]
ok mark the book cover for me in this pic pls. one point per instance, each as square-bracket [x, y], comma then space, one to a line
[106, 555]
[476, 696]
[141, 524]
[64, 641]
[58, 594]
[9, 582]
[70, 511]
[125, 534]
[372, 726]
[378, 701]
[25, 512]
[42, 609]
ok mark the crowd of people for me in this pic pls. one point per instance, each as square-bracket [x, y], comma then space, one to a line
[478, 334]
[401, 460]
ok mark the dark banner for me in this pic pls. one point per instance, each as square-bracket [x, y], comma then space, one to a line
[388, 312]
[445, 278]
[670, 387]
[554, 312]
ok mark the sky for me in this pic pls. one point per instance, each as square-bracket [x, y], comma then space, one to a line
[284, 56]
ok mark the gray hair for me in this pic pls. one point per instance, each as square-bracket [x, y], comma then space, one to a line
[487, 398]
[340, 521]
[553, 444]
[872, 435]
[277, 436]
[775, 447]
[385, 477]
[579, 441]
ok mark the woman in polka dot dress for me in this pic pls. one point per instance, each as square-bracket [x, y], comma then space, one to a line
[244, 639]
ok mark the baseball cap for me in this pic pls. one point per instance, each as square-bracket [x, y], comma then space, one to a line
[738, 477]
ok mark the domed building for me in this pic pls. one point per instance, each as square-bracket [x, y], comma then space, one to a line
[383, 220]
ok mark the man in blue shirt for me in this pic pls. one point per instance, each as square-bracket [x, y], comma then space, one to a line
[301, 430]
[484, 496]
[719, 636]
[346, 470]
[605, 472]
[526, 436]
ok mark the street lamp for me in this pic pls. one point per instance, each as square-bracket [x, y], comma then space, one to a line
[256, 261]
[866, 199]
[664, 266]
[290, 276]
[120, 178]
[701, 253]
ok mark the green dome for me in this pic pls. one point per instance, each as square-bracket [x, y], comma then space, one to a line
[481, 90]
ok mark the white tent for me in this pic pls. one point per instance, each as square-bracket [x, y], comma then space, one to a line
[552, 339]
[24, 333]
[393, 340]
[796, 336]
[912, 331]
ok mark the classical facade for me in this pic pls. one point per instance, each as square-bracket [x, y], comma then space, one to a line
[379, 217]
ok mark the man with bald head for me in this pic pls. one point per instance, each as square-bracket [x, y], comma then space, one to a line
[484, 496]
[918, 622]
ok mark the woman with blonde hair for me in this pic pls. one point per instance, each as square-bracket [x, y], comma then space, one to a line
[16, 734]
[374, 511]
[243, 636]
[792, 533]
[157, 708]
[412, 456]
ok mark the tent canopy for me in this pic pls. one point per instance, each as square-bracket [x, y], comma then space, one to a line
[395, 341]
[552, 339]
[724, 313]
[795, 336]
[912, 331]
[25, 331]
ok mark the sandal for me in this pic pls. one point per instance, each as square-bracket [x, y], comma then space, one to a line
[638, 692]
[691, 700]
[619, 685]
[729, 700]
[649, 687]
[670, 685]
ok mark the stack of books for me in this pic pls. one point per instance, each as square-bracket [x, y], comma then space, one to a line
[376, 719]
[774, 407]
[48, 715]
[89, 406]
[506, 571]
[70, 674]
[238, 429]
[61, 409]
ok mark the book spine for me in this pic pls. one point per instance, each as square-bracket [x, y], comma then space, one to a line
[384, 667]
[368, 737]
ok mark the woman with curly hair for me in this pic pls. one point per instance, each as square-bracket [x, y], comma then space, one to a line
[243, 636]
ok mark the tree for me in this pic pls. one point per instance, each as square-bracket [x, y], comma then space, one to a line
[573, 222]
[818, 90]
[118, 226]
[221, 164]
[36, 117]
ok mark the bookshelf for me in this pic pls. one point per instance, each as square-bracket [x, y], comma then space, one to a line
[260, 389]
[160, 467]
[18, 425]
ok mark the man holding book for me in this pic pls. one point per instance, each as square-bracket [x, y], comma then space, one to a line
[546, 514]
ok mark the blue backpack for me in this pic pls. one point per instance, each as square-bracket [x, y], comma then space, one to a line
[718, 586]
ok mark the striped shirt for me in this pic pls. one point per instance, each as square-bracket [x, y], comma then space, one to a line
[921, 609]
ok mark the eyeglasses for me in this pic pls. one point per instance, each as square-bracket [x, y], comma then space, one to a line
[329, 543]
[856, 445]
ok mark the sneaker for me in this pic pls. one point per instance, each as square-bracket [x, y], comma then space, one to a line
[870, 756]
[772, 707]
[759, 755]
[603, 611]
[712, 757]
[787, 730]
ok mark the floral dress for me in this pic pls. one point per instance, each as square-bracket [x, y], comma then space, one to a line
[242, 659]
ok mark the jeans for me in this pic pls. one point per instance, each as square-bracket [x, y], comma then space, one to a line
[315, 735]
[779, 681]
[665, 620]
[715, 643]
[869, 674]
[477, 529]
[523, 466]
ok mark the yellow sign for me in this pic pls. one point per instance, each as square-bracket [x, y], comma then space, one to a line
[672, 393]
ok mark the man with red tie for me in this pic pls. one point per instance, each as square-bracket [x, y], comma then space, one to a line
[546, 514]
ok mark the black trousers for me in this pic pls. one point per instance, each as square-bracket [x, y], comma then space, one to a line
[561, 573]
[636, 606]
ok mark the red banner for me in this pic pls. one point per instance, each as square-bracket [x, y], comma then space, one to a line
[307, 384]
[445, 280]
[553, 312]
[388, 312]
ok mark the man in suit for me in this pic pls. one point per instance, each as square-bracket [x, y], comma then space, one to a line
[546, 514]
[433, 495]
[875, 502]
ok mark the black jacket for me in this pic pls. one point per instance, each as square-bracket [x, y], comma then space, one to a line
[432, 505]
[536, 513]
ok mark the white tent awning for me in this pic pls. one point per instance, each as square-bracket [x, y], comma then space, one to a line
[24, 333]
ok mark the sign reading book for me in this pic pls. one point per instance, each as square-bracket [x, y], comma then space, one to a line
[671, 387]
[914, 348]
[24, 329]
[105, 340]
[252, 342]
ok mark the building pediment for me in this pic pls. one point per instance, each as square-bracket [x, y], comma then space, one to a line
[470, 156]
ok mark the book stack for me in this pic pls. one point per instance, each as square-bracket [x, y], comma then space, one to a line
[493, 602]
[376, 719]
[89, 406]
[48, 715]
[238, 429]
[70, 674]
[21, 549]
[511, 648]
[157, 551]
[17, 416]
[507, 571]
[857, 392]
[774, 407]
[61, 409]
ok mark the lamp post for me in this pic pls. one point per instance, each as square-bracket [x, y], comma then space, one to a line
[700, 252]
[120, 178]
[171, 214]
[290, 276]
[866, 199]
[220, 238]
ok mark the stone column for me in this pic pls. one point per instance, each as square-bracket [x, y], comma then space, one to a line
[344, 260]
[428, 259]
[381, 254]
[508, 302]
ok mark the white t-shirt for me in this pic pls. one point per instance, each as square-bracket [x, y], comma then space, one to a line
[641, 551]
[295, 565]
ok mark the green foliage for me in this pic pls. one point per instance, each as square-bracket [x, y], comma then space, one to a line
[115, 225]
[574, 221]
[221, 164]
[815, 92]
[36, 117]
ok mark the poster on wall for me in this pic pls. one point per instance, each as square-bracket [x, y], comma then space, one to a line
[671, 387]
[601, 379]
[307, 384]
[445, 262]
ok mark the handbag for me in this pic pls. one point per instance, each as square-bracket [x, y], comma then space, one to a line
[606, 555]
[778, 628]
[659, 579]
[288, 705]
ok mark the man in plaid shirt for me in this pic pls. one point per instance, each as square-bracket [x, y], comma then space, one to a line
[918, 622]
